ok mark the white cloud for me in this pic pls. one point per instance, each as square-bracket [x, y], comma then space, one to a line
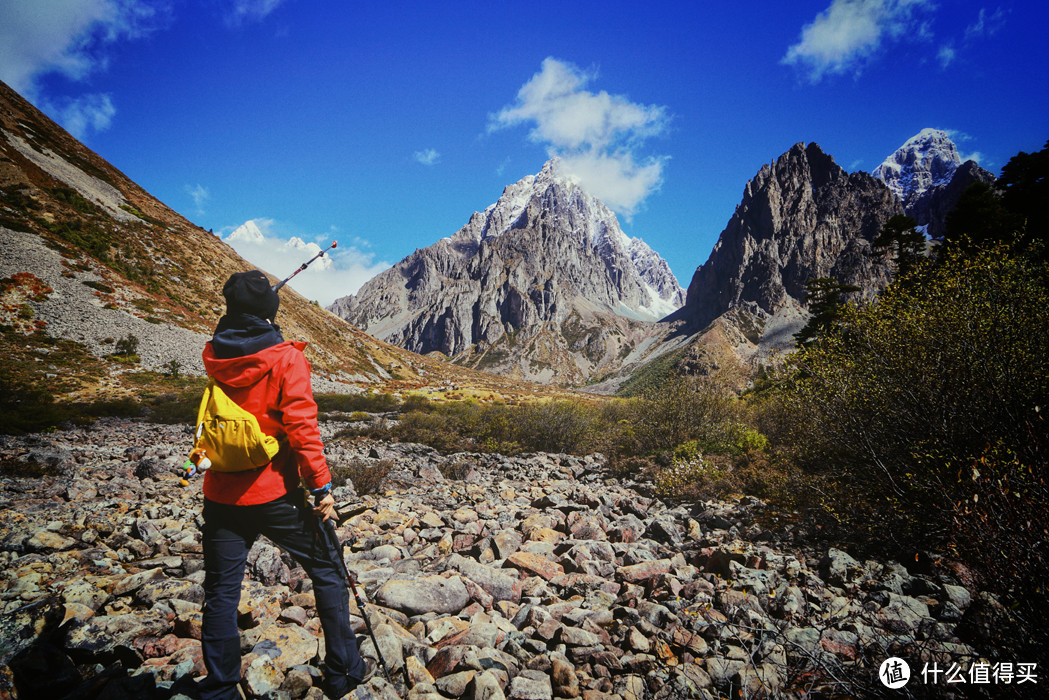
[596, 135]
[66, 36]
[615, 178]
[959, 136]
[200, 196]
[79, 116]
[849, 32]
[946, 55]
[428, 157]
[69, 37]
[501, 168]
[340, 272]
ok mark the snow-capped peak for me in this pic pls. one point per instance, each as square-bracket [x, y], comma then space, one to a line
[928, 159]
[570, 208]
[248, 232]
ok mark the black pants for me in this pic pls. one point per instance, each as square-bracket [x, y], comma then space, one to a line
[228, 534]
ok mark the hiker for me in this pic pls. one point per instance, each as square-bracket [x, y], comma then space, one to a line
[270, 378]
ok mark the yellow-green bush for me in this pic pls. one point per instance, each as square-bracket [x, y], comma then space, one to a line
[890, 407]
[366, 478]
[917, 424]
[686, 478]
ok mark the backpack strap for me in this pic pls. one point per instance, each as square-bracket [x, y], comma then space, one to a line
[202, 409]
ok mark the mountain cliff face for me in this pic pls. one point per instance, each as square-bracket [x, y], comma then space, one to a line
[800, 218]
[928, 176]
[542, 285]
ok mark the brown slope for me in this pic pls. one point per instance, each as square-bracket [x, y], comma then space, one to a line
[147, 260]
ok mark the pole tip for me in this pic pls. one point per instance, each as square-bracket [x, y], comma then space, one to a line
[334, 244]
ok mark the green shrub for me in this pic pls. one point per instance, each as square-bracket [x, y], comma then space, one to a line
[416, 402]
[684, 478]
[555, 426]
[887, 411]
[686, 451]
[366, 478]
[348, 403]
[127, 346]
[692, 408]
[98, 286]
[1010, 508]
[442, 430]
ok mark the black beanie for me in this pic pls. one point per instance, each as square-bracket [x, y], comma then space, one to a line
[250, 293]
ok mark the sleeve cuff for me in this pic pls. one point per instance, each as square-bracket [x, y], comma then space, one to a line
[322, 491]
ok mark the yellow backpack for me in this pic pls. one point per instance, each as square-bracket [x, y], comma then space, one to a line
[229, 436]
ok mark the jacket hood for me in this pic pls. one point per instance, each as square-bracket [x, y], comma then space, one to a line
[248, 369]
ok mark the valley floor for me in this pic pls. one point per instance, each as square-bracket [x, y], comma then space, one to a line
[531, 577]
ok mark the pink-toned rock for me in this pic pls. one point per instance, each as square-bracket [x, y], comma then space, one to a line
[644, 571]
[535, 565]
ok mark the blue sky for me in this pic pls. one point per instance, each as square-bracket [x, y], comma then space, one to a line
[386, 125]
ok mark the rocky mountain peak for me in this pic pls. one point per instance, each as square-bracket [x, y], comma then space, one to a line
[545, 255]
[928, 159]
[801, 217]
[928, 176]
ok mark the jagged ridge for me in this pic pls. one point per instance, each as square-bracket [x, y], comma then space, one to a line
[801, 217]
[543, 284]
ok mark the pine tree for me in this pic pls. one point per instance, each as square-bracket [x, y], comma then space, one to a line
[826, 304]
[980, 221]
[900, 236]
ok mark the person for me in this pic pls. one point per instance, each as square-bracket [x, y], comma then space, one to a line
[270, 378]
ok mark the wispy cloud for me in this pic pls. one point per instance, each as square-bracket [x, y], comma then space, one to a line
[427, 157]
[597, 136]
[847, 34]
[958, 137]
[946, 55]
[985, 24]
[82, 115]
[500, 169]
[247, 11]
[200, 196]
[71, 38]
[338, 273]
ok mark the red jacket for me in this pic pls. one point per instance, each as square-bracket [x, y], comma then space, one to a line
[274, 385]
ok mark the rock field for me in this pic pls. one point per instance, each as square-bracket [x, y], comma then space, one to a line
[488, 577]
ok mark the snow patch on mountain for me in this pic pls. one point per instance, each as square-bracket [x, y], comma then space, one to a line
[928, 159]
[593, 222]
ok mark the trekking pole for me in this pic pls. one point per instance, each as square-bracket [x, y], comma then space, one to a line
[351, 581]
[304, 266]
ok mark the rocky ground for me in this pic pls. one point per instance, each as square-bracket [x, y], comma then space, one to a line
[528, 578]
